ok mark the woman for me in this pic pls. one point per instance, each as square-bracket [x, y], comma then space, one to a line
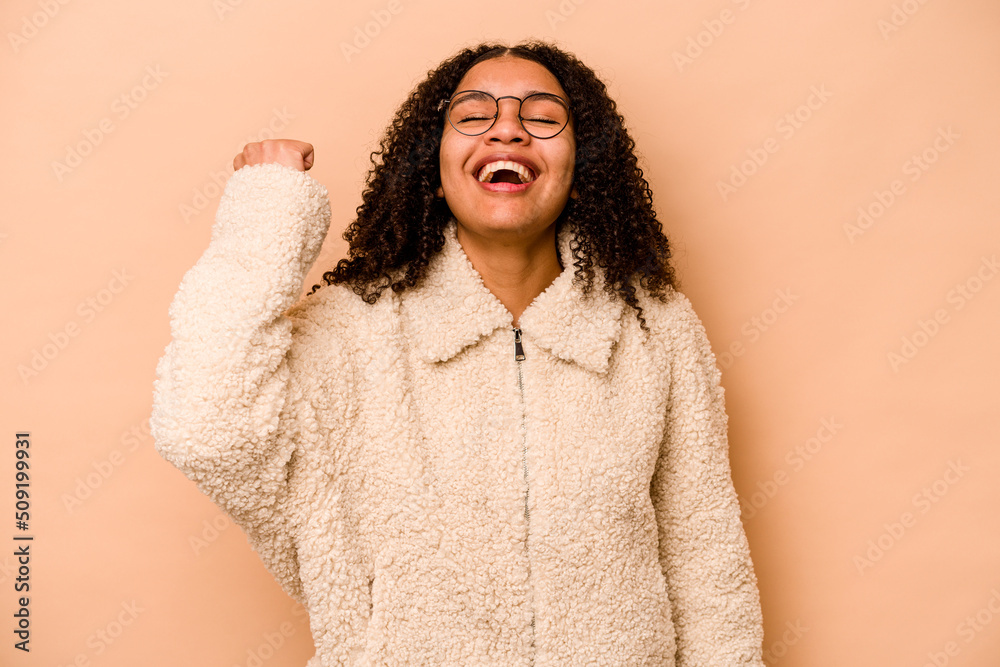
[496, 434]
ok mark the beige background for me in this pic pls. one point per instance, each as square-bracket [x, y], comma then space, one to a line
[869, 480]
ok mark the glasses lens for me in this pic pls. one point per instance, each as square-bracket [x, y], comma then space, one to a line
[543, 115]
[472, 112]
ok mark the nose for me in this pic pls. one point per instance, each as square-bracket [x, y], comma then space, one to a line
[507, 126]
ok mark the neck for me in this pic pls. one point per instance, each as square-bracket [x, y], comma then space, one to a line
[515, 270]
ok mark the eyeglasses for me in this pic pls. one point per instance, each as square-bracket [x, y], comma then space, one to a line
[474, 112]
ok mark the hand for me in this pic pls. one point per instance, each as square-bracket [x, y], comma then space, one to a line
[289, 152]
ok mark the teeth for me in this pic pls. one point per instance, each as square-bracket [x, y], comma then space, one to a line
[486, 174]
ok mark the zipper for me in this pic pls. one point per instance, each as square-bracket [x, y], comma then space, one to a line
[519, 357]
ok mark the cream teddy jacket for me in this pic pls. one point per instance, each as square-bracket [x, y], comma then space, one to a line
[431, 496]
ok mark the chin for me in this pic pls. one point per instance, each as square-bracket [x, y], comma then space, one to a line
[503, 225]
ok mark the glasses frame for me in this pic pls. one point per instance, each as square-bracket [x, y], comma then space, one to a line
[446, 104]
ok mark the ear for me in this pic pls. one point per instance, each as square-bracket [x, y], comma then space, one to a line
[439, 193]
[573, 194]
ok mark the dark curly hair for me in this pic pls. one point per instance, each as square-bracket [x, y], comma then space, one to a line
[400, 222]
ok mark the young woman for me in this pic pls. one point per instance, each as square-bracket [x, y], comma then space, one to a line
[496, 434]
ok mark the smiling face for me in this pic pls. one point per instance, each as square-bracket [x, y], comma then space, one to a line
[505, 207]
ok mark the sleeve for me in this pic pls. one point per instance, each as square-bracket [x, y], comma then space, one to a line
[227, 410]
[704, 551]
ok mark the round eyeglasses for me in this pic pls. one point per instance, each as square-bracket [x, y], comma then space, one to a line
[474, 112]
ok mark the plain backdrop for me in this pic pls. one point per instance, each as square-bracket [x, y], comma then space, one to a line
[827, 173]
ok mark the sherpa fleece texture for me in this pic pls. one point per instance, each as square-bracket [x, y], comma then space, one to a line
[431, 500]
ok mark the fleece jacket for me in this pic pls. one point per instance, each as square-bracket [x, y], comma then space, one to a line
[437, 487]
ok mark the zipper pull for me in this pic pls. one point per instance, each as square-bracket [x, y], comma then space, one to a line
[518, 350]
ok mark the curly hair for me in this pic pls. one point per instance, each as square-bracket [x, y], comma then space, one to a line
[400, 223]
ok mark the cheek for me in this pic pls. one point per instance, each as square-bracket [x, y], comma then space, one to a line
[566, 157]
[568, 165]
[450, 161]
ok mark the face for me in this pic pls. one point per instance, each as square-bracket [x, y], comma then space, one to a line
[497, 210]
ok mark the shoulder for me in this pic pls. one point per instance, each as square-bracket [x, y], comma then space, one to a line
[680, 335]
[333, 334]
[671, 319]
[337, 309]
[336, 322]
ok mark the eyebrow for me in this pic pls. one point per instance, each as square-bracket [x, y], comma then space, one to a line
[528, 93]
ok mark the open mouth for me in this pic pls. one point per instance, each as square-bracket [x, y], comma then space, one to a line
[505, 171]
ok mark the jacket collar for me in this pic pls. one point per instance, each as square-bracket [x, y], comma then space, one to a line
[451, 309]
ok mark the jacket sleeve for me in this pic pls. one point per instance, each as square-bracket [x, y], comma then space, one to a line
[227, 410]
[704, 551]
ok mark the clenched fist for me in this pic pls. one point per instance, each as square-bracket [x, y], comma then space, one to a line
[291, 153]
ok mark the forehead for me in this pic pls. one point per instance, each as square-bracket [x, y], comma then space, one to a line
[508, 75]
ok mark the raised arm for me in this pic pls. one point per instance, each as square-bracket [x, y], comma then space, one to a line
[227, 409]
[704, 551]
